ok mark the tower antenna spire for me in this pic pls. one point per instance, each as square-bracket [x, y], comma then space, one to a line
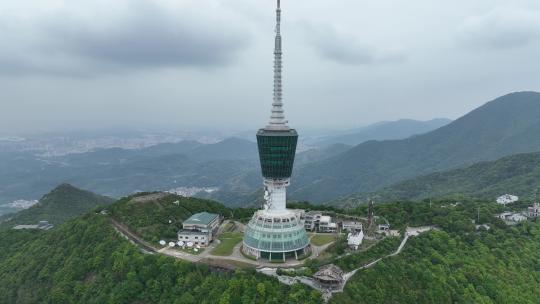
[277, 119]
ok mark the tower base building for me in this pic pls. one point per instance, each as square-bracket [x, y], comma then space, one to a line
[276, 236]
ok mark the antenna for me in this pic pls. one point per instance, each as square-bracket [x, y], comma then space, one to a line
[277, 119]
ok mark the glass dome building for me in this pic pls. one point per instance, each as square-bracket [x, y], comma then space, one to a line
[276, 233]
[276, 236]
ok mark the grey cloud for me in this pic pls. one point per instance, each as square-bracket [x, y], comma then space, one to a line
[500, 28]
[334, 45]
[145, 36]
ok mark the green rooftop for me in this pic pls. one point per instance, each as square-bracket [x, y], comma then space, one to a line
[203, 218]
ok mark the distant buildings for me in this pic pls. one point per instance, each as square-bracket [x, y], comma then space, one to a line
[315, 221]
[42, 225]
[326, 225]
[534, 211]
[200, 229]
[311, 220]
[351, 226]
[507, 199]
[512, 218]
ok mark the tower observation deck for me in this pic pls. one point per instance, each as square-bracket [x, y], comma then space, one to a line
[276, 232]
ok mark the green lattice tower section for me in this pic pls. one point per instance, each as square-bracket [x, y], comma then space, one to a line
[277, 150]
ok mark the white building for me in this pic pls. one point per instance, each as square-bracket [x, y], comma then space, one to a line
[534, 211]
[384, 227]
[311, 220]
[512, 217]
[352, 226]
[507, 199]
[200, 229]
[354, 239]
[326, 224]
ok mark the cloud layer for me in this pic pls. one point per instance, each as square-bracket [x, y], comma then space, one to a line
[501, 28]
[67, 64]
[142, 34]
[336, 45]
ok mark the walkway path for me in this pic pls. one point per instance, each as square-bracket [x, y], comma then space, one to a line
[327, 293]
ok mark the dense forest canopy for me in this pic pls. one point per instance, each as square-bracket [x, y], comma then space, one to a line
[86, 261]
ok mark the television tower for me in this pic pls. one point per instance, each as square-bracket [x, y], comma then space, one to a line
[276, 232]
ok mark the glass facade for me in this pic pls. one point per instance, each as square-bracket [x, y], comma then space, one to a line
[276, 234]
[276, 152]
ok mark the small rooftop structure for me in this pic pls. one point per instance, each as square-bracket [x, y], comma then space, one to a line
[507, 199]
[534, 211]
[354, 239]
[384, 227]
[203, 218]
[42, 225]
[329, 275]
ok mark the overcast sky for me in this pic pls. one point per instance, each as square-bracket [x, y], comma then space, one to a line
[86, 64]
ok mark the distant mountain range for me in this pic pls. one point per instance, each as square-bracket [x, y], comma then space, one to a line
[61, 204]
[517, 174]
[230, 165]
[385, 130]
[118, 172]
[505, 126]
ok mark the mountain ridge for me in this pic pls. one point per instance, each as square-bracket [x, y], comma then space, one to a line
[59, 205]
[516, 174]
[507, 125]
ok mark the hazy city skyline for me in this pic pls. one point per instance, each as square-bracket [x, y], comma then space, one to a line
[173, 64]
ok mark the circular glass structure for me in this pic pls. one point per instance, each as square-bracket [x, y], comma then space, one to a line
[275, 236]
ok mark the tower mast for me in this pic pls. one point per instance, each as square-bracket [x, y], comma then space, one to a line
[277, 119]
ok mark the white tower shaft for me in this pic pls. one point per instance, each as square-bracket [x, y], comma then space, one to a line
[277, 119]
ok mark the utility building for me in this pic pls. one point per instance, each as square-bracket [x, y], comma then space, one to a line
[276, 233]
[199, 229]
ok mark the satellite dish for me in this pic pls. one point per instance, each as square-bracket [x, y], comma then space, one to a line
[172, 244]
[180, 243]
[189, 244]
[198, 247]
[196, 250]
[162, 243]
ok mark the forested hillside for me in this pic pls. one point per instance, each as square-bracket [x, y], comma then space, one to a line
[155, 216]
[496, 266]
[457, 263]
[61, 204]
[508, 125]
[517, 174]
[86, 261]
